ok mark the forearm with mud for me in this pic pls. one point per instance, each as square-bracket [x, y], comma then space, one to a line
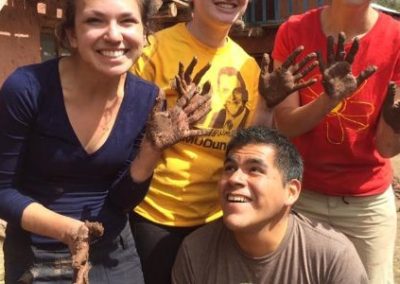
[74, 233]
[387, 141]
[39, 220]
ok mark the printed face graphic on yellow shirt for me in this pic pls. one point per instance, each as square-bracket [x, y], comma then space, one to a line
[235, 103]
[233, 95]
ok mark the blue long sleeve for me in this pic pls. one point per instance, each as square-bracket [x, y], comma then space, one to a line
[42, 159]
[17, 111]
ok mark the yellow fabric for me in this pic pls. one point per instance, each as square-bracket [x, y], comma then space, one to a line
[184, 187]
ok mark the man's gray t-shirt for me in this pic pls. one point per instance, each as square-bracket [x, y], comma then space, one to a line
[310, 252]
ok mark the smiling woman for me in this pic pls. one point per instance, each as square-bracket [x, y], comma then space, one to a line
[71, 130]
[107, 38]
[75, 150]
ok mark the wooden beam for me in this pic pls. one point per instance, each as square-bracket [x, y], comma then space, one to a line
[166, 11]
[182, 3]
[2, 4]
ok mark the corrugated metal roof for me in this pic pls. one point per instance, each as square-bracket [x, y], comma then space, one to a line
[385, 9]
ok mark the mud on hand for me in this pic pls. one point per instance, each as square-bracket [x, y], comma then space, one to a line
[337, 78]
[391, 109]
[80, 250]
[169, 126]
[275, 86]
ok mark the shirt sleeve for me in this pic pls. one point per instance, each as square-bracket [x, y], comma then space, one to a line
[18, 106]
[182, 271]
[125, 194]
[282, 47]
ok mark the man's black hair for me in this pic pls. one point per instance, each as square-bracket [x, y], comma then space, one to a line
[287, 158]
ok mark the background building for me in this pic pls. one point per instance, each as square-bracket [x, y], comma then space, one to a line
[27, 27]
[27, 32]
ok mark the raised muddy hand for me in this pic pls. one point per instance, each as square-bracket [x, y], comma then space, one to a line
[275, 86]
[391, 109]
[169, 126]
[337, 78]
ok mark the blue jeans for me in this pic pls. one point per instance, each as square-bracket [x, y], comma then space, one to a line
[112, 261]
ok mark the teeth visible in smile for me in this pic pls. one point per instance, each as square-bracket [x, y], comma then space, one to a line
[226, 5]
[237, 198]
[112, 53]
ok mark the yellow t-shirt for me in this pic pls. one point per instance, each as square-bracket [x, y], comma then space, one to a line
[184, 191]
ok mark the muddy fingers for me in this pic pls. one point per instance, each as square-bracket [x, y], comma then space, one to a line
[292, 57]
[353, 51]
[80, 250]
[197, 78]
[274, 87]
[185, 86]
[198, 109]
[189, 70]
[337, 77]
[391, 109]
[340, 54]
[304, 67]
[365, 74]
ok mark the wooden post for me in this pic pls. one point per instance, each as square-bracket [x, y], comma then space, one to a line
[167, 10]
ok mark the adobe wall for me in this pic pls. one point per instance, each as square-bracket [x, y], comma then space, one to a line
[19, 37]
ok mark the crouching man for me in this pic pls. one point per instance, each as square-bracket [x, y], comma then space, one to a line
[260, 239]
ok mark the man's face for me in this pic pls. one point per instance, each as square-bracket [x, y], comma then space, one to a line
[252, 193]
[219, 12]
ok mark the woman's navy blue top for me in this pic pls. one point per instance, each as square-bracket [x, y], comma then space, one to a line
[42, 160]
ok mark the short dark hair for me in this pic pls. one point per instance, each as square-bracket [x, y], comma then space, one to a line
[147, 9]
[287, 158]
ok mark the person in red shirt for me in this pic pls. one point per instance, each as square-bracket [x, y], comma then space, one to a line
[347, 135]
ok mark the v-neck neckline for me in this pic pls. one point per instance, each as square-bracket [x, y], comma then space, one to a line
[71, 129]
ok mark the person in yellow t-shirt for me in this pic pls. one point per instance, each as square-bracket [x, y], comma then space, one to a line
[182, 195]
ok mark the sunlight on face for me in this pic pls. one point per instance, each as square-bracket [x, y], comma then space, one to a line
[108, 34]
[252, 192]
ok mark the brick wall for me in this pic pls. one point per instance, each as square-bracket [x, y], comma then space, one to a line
[19, 37]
